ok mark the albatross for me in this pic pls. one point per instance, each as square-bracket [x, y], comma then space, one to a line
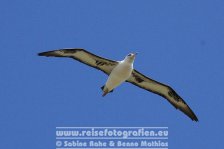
[123, 71]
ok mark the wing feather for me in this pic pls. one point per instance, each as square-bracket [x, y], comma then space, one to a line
[163, 90]
[85, 57]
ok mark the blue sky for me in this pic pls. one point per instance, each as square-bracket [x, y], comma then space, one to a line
[180, 43]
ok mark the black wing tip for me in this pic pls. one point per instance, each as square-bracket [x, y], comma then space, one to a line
[42, 54]
[48, 54]
[191, 115]
[65, 50]
[188, 111]
[194, 118]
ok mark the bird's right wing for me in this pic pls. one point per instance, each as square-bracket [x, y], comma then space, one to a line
[85, 57]
[163, 90]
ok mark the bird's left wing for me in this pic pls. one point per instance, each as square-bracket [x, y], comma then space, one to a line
[85, 57]
[163, 90]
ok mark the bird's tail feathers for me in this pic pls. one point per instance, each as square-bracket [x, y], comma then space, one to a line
[102, 88]
[105, 91]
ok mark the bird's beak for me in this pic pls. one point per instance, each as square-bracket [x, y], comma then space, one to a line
[136, 53]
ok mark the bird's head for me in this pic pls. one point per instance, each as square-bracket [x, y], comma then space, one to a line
[131, 57]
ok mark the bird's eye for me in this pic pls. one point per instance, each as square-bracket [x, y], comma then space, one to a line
[129, 54]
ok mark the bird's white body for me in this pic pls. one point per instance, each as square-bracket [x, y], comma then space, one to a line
[119, 75]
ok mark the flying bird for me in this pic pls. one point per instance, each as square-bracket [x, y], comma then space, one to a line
[123, 71]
